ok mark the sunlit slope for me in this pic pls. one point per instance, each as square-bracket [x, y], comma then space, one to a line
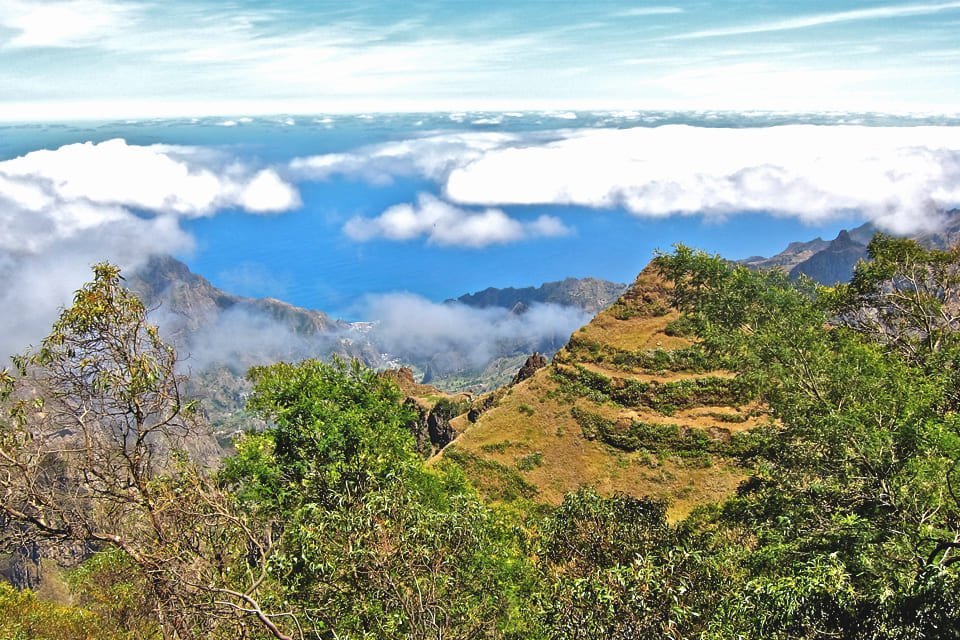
[630, 404]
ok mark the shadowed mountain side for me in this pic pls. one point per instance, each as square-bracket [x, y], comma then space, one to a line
[794, 254]
[630, 404]
[835, 262]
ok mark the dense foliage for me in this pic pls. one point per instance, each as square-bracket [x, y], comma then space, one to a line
[328, 524]
[372, 542]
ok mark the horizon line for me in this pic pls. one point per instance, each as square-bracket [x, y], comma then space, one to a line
[86, 111]
[238, 115]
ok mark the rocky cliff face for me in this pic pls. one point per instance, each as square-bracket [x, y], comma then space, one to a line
[835, 262]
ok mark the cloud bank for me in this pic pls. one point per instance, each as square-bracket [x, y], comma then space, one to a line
[897, 177]
[445, 224]
[411, 327]
[63, 210]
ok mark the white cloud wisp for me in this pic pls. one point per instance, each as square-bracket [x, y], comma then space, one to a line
[820, 19]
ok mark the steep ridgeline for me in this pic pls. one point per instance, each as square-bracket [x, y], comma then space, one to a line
[186, 302]
[220, 336]
[629, 404]
[829, 262]
[589, 294]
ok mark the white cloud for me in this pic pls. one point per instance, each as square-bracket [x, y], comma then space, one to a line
[63, 210]
[899, 177]
[267, 192]
[445, 224]
[158, 178]
[242, 337]
[431, 156]
[63, 23]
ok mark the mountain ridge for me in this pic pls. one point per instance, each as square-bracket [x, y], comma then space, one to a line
[168, 285]
[831, 261]
[590, 294]
[220, 335]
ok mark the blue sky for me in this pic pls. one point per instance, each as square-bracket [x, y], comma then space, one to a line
[125, 58]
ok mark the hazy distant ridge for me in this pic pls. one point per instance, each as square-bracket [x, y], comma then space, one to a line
[589, 294]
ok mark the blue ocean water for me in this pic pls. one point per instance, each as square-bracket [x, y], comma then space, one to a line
[304, 257]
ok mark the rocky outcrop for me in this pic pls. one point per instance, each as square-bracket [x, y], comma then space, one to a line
[418, 426]
[430, 425]
[530, 367]
[438, 423]
[22, 567]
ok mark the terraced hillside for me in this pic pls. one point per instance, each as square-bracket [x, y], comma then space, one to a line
[631, 404]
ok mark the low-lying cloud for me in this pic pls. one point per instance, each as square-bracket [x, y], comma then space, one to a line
[241, 338]
[898, 177]
[409, 326]
[63, 210]
[445, 224]
[445, 338]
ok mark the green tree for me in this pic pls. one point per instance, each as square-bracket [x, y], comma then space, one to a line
[25, 617]
[614, 568]
[907, 297]
[371, 543]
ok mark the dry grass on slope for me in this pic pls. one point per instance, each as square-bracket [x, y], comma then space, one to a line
[533, 432]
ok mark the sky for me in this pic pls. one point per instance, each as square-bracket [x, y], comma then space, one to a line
[68, 59]
[345, 156]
